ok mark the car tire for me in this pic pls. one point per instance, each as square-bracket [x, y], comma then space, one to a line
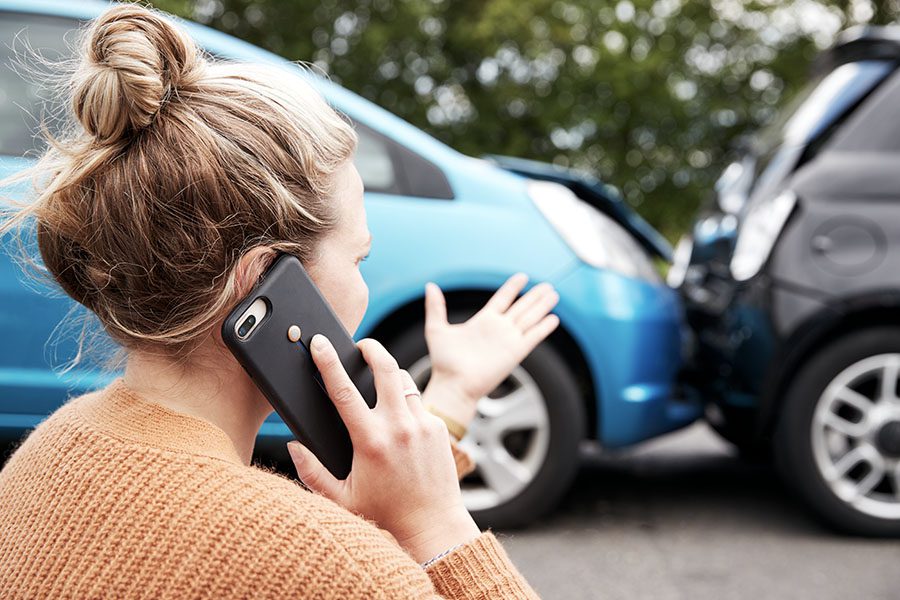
[738, 429]
[818, 428]
[565, 425]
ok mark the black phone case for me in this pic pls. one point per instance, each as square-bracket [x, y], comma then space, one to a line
[285, 372]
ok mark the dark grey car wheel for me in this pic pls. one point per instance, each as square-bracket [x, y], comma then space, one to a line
[838, 438]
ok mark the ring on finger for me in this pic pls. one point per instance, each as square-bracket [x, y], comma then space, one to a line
[412, 392]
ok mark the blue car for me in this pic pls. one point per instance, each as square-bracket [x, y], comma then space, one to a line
[436, 215]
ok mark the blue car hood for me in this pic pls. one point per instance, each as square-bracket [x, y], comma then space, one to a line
[594, 192]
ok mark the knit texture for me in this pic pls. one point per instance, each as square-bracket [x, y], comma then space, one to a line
[113, 496]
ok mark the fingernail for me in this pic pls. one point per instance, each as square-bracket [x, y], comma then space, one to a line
[319, 342]
[294, 450]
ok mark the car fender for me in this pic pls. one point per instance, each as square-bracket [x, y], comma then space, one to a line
[835, 318]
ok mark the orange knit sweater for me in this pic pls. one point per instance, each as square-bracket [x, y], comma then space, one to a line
[116, 497]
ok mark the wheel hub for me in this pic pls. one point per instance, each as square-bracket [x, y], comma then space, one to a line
[506, 461]
[856, 436]
[887, 439]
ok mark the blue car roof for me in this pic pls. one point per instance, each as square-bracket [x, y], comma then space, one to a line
[233, 48]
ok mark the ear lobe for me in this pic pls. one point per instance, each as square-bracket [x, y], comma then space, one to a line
[250, 268]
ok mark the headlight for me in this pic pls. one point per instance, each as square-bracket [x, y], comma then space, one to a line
[680, 262]
[760, 228]
[594, 238]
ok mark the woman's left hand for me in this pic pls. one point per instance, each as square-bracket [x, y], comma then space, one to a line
[470, 359]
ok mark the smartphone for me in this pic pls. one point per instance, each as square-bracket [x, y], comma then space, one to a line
[269, 334]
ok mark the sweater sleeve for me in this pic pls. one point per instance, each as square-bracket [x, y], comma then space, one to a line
[365, 563]
[479, 569]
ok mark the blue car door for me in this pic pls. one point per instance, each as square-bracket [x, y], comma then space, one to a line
[32, 314]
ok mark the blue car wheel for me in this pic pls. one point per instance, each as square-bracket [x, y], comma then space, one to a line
[525, 437]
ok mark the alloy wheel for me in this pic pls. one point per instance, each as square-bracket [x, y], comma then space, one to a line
[508, 440]
[856, 436]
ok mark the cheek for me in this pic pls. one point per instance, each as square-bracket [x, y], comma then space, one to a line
[345, 290]
[357, 302]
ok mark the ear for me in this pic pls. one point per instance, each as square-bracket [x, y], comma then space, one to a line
[250, 268]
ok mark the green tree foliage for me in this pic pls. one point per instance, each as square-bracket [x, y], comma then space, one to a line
[650, 95]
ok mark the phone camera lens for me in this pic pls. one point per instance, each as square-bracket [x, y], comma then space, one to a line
[246, 326]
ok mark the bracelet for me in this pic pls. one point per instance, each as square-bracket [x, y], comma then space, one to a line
[455, 428]
[433, 560]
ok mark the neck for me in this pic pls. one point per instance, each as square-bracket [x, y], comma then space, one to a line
[209, 385]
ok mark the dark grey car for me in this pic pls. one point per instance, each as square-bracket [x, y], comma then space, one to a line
[792, 285]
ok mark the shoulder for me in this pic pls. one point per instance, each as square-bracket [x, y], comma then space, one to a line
[297, 517]
[323, 545]
[68, 410]
[48, 430]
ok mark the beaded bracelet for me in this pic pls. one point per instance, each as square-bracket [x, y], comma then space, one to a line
[431, 561]
[456, 429]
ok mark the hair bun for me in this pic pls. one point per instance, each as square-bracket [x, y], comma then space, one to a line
[133, 60]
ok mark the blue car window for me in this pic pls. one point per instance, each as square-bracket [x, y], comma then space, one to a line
[22, 102]
[391, 168]
[374, 163]
[384, 165]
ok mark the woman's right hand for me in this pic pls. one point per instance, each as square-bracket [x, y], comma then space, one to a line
[403, 475]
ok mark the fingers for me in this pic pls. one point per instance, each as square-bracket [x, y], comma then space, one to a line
[503, 297]
[347, 399]
[311, 472]
[533, 306]
[409, 383]
[539, 308]
[388, 383]
[539, 332]
[411, 392]
[435, 307]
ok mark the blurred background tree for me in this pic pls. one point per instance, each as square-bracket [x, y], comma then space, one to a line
[649, 95]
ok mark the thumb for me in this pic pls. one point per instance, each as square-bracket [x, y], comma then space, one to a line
[435, 307]
[311, 472]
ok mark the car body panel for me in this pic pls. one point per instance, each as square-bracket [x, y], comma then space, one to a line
[636, 392]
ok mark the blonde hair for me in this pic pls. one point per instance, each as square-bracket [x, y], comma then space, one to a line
[174, 167]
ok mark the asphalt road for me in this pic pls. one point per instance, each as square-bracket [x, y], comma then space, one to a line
[683, 518]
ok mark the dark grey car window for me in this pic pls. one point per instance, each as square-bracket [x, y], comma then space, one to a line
[800, 131]
[823, 101]
[876, 126]
[21, 100]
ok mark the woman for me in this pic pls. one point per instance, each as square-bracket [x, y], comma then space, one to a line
[179, 183]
